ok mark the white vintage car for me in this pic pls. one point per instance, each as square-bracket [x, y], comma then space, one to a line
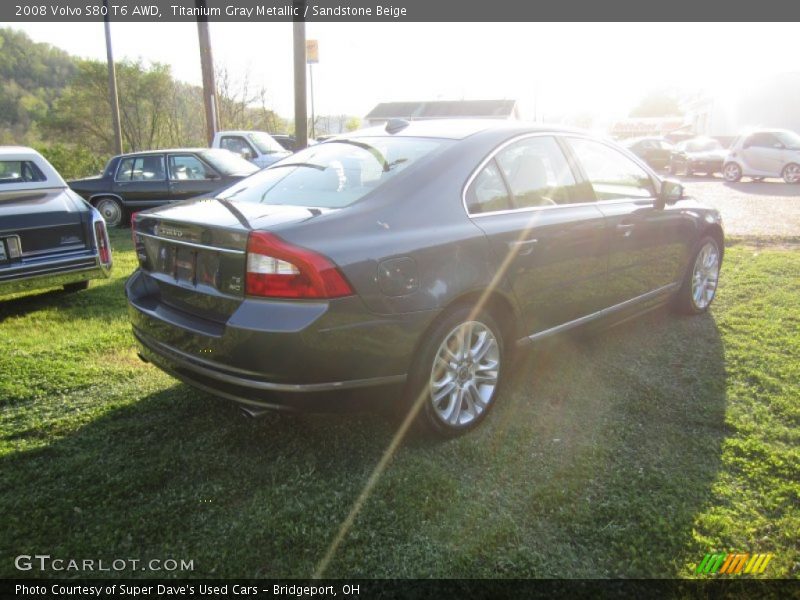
[49, 236]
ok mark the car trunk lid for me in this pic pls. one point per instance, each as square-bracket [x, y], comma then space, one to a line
[41, 222]
[196, 251]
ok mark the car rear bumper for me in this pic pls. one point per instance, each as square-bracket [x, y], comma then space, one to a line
[48, 272]
[271, 353]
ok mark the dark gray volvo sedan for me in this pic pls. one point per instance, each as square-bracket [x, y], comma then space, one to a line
[417, 254]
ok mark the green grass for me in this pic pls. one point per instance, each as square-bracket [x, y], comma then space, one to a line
[631, 452]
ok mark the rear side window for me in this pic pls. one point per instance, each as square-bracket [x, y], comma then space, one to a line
[141, 168]
[611, 174]
[537, 172]
[488, 191]
[20, 171]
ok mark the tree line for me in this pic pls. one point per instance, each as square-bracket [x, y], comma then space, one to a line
[59, 104]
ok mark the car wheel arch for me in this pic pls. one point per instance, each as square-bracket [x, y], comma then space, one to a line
[497, 304]
[715, 231]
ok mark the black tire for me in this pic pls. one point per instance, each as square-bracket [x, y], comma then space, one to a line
[418, 394]
[684, 300]
[76, 287]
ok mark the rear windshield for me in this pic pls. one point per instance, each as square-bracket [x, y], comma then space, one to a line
[20, 171]
[334, 174]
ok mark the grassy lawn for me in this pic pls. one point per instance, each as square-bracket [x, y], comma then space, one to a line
[631, 452]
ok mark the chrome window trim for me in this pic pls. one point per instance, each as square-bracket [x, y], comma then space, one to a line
[554, 134]
[191, 244]
[602, 313]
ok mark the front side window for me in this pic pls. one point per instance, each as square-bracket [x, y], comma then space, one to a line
[611, 174]
[537, 172]
[184, 167]
[141, 168]
[334, 174]
[20, 171]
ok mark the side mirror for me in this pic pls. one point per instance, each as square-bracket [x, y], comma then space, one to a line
[246, 153]
[671, 192]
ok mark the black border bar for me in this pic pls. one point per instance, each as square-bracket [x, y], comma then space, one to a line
[374, 11]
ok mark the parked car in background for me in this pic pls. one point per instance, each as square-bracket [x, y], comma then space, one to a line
[655, 151]
[141, 180]
[259, 147]
[697, 155]
[765, 153]
[419, 254]
[49, 236]
[287, 141]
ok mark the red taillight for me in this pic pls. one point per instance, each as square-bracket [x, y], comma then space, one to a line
[277, 269]
[102, 242]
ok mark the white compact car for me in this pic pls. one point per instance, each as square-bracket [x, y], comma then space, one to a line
[764, 153]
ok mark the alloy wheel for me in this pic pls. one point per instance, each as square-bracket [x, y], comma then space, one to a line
[465, 374]
[791, 174]
[732, 172]
[705, 275]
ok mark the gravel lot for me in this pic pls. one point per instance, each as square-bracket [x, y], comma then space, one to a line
[767, 209]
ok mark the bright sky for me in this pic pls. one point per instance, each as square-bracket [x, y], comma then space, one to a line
[563, 68]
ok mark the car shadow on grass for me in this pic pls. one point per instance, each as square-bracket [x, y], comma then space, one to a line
[599, 454]
[103, 298]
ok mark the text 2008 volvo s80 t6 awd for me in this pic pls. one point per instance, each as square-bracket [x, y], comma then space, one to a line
[415, 254]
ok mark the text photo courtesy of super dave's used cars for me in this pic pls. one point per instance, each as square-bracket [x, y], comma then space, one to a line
[430, 343]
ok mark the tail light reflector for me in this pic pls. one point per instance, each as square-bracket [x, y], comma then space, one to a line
[277, 269]
[103, 247]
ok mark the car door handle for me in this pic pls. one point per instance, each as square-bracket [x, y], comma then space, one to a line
[626, 229]
[524, 247]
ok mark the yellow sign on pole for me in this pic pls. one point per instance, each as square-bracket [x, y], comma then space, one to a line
[312, 52]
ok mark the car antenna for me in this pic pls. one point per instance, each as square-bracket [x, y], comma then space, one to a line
[395, 125]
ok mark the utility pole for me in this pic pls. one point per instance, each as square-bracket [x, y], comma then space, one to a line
[113, 97]
[207, 66]
[300, 100]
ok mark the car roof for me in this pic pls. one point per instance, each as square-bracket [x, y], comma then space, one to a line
[17, 152]
[456, 128]
[52, 178]
[162, 151]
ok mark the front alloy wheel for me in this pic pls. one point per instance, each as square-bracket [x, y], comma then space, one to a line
[732, 172]
[465, 374]
[791, 173]
[705, 275]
